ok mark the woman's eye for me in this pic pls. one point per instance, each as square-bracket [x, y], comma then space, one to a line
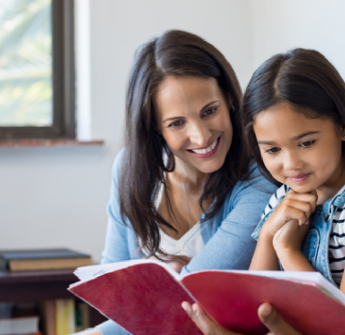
[176, 124]
[209, 111]
[307, 144]
[272, 150]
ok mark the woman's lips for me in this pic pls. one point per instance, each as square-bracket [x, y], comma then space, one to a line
[206, 152]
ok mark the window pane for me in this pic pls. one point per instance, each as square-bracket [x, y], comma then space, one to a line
[25, 63]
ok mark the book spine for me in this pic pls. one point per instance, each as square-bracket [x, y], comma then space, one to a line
[65, 316]
[3, 264]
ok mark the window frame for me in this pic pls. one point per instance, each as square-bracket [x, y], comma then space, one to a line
[63, 80]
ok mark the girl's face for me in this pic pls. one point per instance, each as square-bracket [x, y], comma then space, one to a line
[301, 152]
[192, 115]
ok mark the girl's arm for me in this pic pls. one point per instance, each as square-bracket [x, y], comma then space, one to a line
[342, 285]
[282, 234]
[265, 257]
[287, 243]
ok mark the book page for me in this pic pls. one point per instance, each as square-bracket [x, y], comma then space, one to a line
[85, 273]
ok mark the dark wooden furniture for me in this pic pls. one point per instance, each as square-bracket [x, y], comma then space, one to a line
[34, 286]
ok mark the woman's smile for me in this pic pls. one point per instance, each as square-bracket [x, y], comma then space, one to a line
[206, 152]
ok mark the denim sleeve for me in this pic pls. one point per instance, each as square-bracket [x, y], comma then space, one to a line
[231, 246]
[275, 200]
[111, 328]
[121, 241]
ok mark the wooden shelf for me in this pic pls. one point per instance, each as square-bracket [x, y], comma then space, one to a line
[34, 286]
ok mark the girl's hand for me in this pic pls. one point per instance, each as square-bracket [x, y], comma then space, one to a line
[295, 206]
[289, 236]
[267, 314]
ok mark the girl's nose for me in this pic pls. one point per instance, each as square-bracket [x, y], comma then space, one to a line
[292, 161]
[199, 134]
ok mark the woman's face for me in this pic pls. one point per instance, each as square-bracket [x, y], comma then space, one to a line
[192, 115]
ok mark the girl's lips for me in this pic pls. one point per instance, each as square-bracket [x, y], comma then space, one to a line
[299, 178]
[206, 154]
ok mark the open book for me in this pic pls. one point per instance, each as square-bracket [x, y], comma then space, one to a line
[145, 296]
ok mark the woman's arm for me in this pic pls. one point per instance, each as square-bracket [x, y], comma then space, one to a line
[121, 242]
[267, 314]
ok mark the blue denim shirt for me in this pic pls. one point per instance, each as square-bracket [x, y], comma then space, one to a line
[227, 237]
[315, 243]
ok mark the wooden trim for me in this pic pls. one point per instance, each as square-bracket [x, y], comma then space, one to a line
[39, 142]
[63, 80]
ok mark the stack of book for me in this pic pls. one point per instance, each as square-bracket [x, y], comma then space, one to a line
[42, 259]
[51, 317]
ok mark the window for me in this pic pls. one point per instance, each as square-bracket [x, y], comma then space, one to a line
[37, 69]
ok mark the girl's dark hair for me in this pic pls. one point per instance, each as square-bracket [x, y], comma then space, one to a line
[303, 78]
[175, 53]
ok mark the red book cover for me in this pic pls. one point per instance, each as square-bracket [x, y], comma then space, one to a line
[233, 299]
[145, 297]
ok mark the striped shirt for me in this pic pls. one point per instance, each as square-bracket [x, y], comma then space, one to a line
[336, 254]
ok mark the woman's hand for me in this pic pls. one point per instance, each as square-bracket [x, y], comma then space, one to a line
[274, 322]
[203, 321]
[267, 314]
[295, 206]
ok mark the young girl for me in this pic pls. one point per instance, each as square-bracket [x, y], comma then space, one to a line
[294, 116]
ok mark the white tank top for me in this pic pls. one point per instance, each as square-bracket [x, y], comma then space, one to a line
[188, 245]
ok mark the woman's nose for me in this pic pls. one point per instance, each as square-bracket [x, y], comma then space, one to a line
[199, 134]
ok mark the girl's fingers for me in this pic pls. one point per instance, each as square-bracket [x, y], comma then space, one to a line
[274, 322]
[310, 198]
[293, 213]
[305, 207]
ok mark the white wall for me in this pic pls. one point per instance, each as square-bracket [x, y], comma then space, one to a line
[51, 197]
[279, 26]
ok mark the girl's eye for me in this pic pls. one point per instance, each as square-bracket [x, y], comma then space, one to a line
[176, 124]
[272, 151]
[307, 144]
[209, 111]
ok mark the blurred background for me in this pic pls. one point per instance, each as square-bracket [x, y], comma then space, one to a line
[57, 196]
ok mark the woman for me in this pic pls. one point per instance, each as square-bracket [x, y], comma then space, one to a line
[183, 189]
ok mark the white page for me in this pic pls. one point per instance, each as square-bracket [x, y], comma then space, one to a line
[85, 273]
